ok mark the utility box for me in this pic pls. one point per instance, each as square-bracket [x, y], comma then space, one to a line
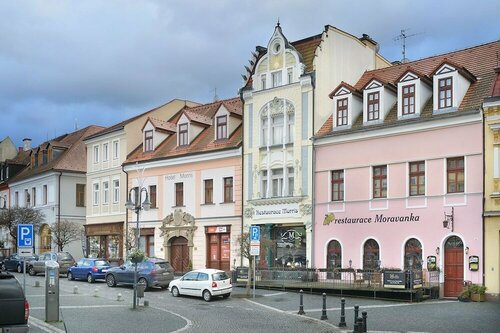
[141, 287]
[51, 291]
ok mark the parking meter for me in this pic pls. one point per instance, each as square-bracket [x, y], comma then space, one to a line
[51, 291]
[141, 287]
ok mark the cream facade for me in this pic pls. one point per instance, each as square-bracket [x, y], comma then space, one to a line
[285, 98]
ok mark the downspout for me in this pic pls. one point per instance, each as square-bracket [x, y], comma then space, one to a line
[126, 215]
[59, 210]
[242, 175]
[484, 197]
[313, 173]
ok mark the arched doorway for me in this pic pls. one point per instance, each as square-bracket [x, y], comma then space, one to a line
[45, 238]
[453, 266]
[179, 254]
[334, 259]
[371, 255]
[413, 254]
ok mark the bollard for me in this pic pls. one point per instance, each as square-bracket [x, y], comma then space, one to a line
[364, 315]
[360, 325]
[37, 284]
[119, 297]
[342, 322]
[96, 292]
[323, 312]
[356, 312]
[355, 329]
[75, 290]
[301, 306]
[146, 303]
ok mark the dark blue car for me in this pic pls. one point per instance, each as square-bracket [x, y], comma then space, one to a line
[153, 272]
[14, 262]
[89, 269]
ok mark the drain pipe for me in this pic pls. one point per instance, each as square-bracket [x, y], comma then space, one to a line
[59, 211]
[125, 241]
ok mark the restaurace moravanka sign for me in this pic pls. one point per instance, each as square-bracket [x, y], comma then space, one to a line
[379, 218]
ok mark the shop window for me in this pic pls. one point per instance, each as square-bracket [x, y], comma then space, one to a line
[290, 248]
[147, 245]
[380, 181]
[417, 178]
[371, 255]
[455, 175]
[413, 254]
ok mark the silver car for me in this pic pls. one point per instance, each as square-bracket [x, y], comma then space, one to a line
[64, 259]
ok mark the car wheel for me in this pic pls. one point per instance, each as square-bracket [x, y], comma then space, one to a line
[70, 276]
[175, 292]
[90, 278]
[19, 268]
[143, 281]
[31, 271]
[110, 280]
[207, 296]
[226, 295]
[3, 267]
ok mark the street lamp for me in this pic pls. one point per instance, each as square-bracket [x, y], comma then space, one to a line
[136, 206]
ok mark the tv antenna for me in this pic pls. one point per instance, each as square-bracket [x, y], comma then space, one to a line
[402, 36]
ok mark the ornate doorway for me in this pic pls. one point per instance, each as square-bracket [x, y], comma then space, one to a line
[179, 254]
[453, 266]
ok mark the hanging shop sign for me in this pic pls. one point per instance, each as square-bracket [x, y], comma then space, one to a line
[276, 211]
[473, 263]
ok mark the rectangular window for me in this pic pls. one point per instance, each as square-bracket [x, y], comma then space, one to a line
[408, 97]
[179, 194]
[148, 141]
[276, 78]
[228, 189]
[291, 182]
[337, 185]
[44, 157]
[417, 178]
[95, 194]
[33, 196]
[263, 81]
[455, 175]
[445, 87]
[96, 154]
[183, 134]
[277, 129]
[16, 199]
[27, 199]
[116, 151]
[265, 126]
[221, 127]
[45, 199]
[263, 189]
[291, 127]
[152, 196]
[116, 190]
[380, 181]
[289, 74]
[80, 195]
[342, 112]
[105, 152]
[277, 182]
[373, 106]
[209, 191]
[105, 190]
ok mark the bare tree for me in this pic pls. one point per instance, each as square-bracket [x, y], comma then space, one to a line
[65, 232]
[10, 218]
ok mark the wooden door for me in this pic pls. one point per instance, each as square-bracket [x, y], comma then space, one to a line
[219, 251]
[453, 267]
[179, 254]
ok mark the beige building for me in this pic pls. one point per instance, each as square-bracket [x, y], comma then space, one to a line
[492, 190]
[106, 191]
[286, 100]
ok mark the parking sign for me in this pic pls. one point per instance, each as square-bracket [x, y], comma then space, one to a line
[25, 235]
[255, 233]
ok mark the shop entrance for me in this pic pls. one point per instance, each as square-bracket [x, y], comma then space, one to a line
[179, 254]
[218, 251]
[453, 266]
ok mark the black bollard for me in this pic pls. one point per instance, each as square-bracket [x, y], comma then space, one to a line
[301, 306]
[364, 315]
[323, 313]
[342, 313]
[356, 312]
[360, 325]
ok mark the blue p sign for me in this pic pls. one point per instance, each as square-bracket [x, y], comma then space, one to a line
[255, 233]
[25, 235]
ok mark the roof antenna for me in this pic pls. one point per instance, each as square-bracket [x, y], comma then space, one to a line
[216, 98]
[402, 36]
[76, 124]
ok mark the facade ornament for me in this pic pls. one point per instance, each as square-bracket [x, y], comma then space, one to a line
[249, 212]
[305, 209]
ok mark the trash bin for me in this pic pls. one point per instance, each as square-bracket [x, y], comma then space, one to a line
[141, 287]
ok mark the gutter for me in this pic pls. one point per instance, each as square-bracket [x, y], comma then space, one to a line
[126, 215]
[242, 175]
[59, 209]
[484, 199]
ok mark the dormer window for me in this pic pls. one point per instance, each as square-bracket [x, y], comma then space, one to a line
[183, 135]
[148, 141]
[221, 127]
[408, 99]
[342, 112]
[373, 106]
[445, 89]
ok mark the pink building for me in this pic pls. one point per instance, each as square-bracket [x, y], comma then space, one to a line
[399, 169]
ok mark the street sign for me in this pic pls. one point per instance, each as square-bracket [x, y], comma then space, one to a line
[25, 251]
[254, 249]
[25, 235]
[255, 233]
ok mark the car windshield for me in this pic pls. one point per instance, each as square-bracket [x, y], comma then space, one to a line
[101, 263]
[219, 276]
[64, 256]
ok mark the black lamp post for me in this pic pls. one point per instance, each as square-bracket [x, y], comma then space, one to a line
[137, 206]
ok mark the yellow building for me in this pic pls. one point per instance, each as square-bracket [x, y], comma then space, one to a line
[492, 190]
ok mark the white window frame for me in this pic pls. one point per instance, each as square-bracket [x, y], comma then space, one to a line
[95, 194]
[105, 152]
[276, 79]
[105, 192]
[116, 149]
[116, 190]
[95, 154]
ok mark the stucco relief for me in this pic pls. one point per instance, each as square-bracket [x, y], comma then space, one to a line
[249, 212]
[305, 209]
[178, 224]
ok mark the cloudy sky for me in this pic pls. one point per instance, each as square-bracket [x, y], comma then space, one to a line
[75, 63]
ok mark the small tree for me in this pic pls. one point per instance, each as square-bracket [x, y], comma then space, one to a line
[65, 232]
[10, 218]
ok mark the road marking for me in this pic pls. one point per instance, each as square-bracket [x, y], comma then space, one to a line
[44, 326]
[275, 294]
[82, 306]
[189, 323]
[376, 306]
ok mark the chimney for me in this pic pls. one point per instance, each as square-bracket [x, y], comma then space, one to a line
[27, 144]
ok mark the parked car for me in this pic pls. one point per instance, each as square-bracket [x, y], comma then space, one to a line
[64, 259]
[14, 308]
[15, 262]
[204, 283]
[154, 272]
[89, 269]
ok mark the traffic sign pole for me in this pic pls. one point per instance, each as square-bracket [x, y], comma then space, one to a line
[25, 245]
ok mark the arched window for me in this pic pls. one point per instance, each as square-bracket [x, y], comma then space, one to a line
[45, 238]
[413, 254]
[334, 258]
[371, 255]
[277, 122]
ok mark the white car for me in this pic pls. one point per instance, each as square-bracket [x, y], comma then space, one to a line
[204, 283]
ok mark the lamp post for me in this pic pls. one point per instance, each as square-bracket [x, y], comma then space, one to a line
[137, 206]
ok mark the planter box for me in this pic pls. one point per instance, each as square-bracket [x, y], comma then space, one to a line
[478, 297]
